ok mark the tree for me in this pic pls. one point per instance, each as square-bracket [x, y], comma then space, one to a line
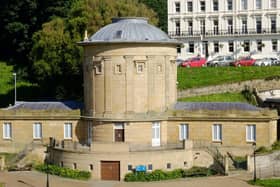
[160, 7]
[55, 55]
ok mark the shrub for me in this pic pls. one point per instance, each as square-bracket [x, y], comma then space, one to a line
[276, 145]
[199, 172]
[156, 175]
[63, 172]
[262, 149]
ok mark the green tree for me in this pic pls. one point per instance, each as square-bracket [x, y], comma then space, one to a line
[160, 7]
[55, 54]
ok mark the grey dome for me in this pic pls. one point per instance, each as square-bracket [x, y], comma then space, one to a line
[129, 30]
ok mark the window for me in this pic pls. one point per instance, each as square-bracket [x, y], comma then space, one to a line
[258, 25]
[230, 27]
[216, 47]
[190, 6]
[229, 4]
[68, 131]
[61, 164]
[217, 132]
[139, 67]
[244, 25]
[118, 68]
[168, 165]
[118, 34]
[7, 130]
[230, 46]
[155, 134]
[216, 26]
[150, 167]
[177, 28]
[37, 130]
[178, 49]
[91, 167]
[177, 7]
[184, 132]
[202, 6]
[215, 5]
[251, 133]
[190, 27]
[159, 68]
[258, 4]
[119, 132]
[244, 4]
[98, 68]
[74, 165]
[273, 24]
[273, 4]
[129, 167]
[274, 45]
[191, 47]
[202, 26]
[246, 46]
[259, 45]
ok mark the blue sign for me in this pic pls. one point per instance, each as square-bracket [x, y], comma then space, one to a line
[140, 168]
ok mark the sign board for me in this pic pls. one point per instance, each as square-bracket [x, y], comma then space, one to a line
[140, 168]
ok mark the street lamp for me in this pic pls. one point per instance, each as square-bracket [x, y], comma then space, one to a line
[15, 78]
[254, 147]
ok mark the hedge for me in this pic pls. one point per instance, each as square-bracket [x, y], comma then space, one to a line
[158, 175]
[63, 172]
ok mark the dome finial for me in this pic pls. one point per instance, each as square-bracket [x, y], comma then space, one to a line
[86, 36]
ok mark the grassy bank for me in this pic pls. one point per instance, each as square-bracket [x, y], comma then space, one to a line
[199, 77]
[223, 97]
[266, 182]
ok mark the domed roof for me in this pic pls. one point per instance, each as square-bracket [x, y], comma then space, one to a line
[135, 30]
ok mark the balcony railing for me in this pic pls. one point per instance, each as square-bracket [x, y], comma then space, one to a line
[215, 32]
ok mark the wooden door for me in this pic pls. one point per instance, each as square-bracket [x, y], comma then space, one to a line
[110, 170]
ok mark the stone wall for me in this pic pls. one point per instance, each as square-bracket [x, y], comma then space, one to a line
[266, 165]
[261, 85]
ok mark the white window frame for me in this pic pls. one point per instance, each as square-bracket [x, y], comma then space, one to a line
[258, 4]
[35, 130]
[217, 133]
[156, 134]
[7, 132]
[183, 131]
[68, 131]
[273, 4]
[251, 133]
[244, 4]
[228, 3]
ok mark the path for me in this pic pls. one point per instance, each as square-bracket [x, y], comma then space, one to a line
[36, 179]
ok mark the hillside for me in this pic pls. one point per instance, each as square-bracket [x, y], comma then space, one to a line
[25, 90]
[200, 77]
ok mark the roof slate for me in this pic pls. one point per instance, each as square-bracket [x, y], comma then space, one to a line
[214, 106]
[53, 105]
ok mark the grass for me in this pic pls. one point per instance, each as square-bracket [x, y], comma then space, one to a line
[266, 182]
[223, 97]
[2, 184]
[200, 77]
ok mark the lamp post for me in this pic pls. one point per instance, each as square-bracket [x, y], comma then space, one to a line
[15, 78]
[255, 175]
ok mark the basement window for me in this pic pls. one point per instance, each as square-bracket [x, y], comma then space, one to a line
[168, 165]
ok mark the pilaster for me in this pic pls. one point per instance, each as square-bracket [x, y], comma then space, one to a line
[107, 85]
[129, 86]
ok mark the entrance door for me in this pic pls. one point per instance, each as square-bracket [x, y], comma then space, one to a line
[205, 49]
[110, 170]
[156, 134]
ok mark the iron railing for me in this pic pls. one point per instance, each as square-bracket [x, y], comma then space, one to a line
[220, 32]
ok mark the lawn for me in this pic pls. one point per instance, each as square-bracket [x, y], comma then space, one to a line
[200, 77]
[223, 97]
[266, 182]
[2, 184]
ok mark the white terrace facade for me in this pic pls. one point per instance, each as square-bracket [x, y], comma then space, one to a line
[214, 27]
